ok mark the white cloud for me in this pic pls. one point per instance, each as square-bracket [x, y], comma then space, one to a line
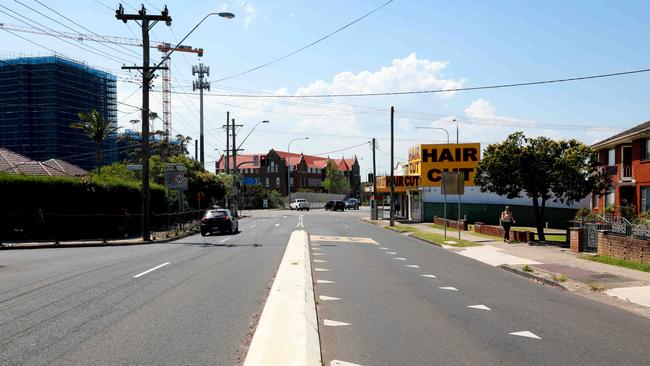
[480, 108]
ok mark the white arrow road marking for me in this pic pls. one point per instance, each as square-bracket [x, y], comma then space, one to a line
[400, 259]
[319, 261]
[276, 225]
[300, 224]
[226, 239]
[321, 270]
[150, 270]
[480, 307]
[391, 253]
[429, 276]
[324, 281]
[526, 334]
[448, 288]
[328, 298]
[342, 363]
[334, 323]
[412, 266]
[317, 254]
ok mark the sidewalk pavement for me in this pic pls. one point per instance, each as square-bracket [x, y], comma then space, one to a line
[626, 287]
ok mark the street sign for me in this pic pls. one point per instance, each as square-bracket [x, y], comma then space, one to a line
[453, 183]
[134, 167]
[175, 166]
[175, 180]
[250, 181]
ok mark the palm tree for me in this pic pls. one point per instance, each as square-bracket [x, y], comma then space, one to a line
[95, 127]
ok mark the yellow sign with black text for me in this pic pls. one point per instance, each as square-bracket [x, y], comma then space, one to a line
[430, 161]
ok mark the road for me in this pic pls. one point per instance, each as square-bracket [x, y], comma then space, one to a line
[402, 301]
[106, 306]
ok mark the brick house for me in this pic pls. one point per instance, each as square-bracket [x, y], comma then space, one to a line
[627, 156]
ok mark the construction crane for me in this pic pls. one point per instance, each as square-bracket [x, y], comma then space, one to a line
[162, 47]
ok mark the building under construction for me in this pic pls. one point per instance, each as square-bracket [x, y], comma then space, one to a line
[40, 98]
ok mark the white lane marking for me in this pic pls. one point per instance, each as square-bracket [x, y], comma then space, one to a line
[324, 281]
[429, 276]
[343, 363]
[448, 288]
[328, 298]
[334, 323]
[263, 220]
[480, 307]
[321, 270]
[526, 334]
[412, 266]
[300, 223]
[150, 270]
[226, 239]
[391, 252]
[400, 259]
[383, 248]
[276, 225]
[347, 226]
[319, 261]
[316, 249]
[317, 254]
[252, 226]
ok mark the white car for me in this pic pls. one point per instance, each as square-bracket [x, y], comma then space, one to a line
[300, 204]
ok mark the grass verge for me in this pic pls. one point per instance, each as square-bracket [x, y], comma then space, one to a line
[617, 262]
[431, 237]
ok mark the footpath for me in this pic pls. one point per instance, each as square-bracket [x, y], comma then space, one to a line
[547, 264]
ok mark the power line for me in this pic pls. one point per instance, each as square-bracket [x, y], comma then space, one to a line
[305, 47]
[344, 149]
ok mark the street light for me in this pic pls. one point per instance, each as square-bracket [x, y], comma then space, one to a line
[251, 131]
[435, 128]
[289, 170]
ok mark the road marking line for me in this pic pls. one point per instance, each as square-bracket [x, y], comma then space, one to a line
[321, 270]
[391, 252]
[150, 270]
[334, 323]
[324, 281]
[347, 226]
[328, 298]
[526, 334]
[276, 225]
[400, 259]
[316, 249]
[429, 276]
[343, 363]
[448, 288]
[252, 226]
[263, 220]
[480, 307]
[319, 261]
[300, 223]
[317, 254]
[348, 239]
[412, 266]
[226, 239]
[383, 248]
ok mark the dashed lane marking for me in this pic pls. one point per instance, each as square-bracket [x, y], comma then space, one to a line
[224, 240]
[324, 281]
[480, 307]
[526, 334]
[343, 363]
[317, 254]
[252, 226]
[344, 239]
[449, 288]
[400, 259]
[321, 270]
[276, 225]
[334, 323]
[383, 248]
[392, 253]
[319, 261]
[412, 266]
[316, 249]
[150, 270]
[429, 276]
[328, 298]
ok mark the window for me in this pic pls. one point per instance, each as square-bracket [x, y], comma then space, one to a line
[277, 181]
[267, 182]
[645, 201]
[645, 149]
[594, 200]
[611, 157]
[610, 198]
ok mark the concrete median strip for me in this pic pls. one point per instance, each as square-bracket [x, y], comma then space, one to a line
[287, 333]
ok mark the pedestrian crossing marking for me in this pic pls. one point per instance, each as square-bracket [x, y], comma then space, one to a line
[344, 239]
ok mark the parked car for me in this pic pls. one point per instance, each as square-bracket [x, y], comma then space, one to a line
[220, 220]
[352, 204]
[338, 206]
[329, 205]
[300, 204]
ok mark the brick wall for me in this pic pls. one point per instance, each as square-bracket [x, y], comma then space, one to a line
[522, 236]
[623, 247]
[575, 240]
[450, 223]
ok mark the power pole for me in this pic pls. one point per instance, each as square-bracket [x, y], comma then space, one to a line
[227, 126]
[375, 212]
[147, 76]
[201, 84]
[196, 150]
[392, 153]
[234, 166]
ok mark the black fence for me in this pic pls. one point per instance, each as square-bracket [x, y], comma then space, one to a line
[56, 227]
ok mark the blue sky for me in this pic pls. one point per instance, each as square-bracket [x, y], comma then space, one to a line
[408, 45]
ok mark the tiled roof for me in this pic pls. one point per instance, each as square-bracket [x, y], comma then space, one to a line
[318, 162]
[64, 167]
[11, 162]
[245, 161]
[627, 134]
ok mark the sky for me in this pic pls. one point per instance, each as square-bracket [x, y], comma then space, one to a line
[406, 45]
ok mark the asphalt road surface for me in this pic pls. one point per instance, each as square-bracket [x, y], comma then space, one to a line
[405, 302]
[106, 306]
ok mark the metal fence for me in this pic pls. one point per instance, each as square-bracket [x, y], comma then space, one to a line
[44, 227]
[615, 224]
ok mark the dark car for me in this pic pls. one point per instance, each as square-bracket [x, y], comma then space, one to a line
[220, 220]
[338, 206]
[329, 205]
[352, 204]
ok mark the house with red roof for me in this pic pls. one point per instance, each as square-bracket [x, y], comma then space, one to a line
[14, 163]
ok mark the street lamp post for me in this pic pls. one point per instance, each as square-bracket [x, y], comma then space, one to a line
[436, 128]
[251, 131]
[288, 169]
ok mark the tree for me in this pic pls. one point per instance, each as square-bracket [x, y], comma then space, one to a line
[95, 127]
[542, 169]
[335, 181]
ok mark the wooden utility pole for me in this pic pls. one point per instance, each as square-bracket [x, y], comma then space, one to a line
[392, 156]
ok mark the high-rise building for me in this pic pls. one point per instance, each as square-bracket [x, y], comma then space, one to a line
[40, 98]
